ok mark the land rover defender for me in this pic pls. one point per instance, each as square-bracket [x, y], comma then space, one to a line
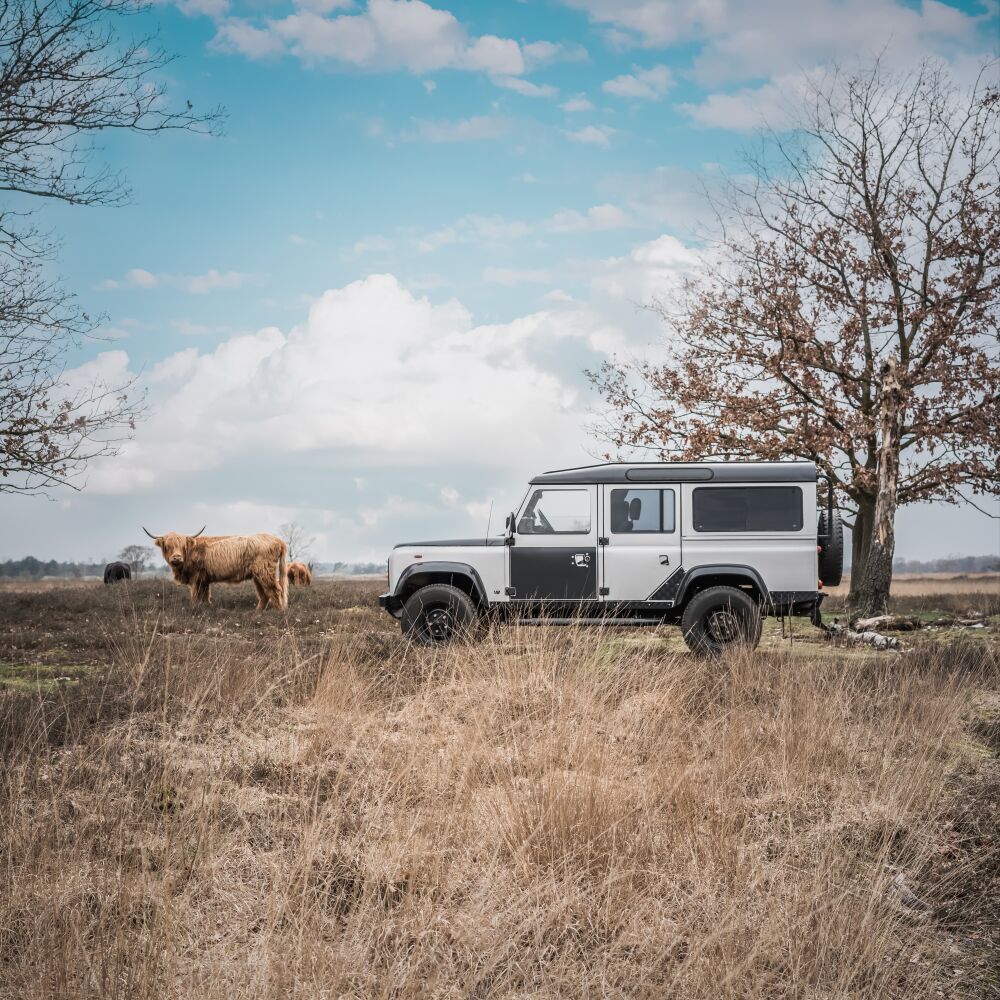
[712, 546]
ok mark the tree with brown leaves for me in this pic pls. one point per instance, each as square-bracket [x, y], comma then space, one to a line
[850, 314]
[67, 74]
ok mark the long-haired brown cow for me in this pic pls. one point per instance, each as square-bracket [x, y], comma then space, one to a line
[198, 562]
[299, 575]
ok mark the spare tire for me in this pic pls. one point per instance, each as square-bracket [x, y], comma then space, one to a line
[831, 548]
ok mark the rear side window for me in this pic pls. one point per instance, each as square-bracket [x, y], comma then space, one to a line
[642, 512]
[747, 508]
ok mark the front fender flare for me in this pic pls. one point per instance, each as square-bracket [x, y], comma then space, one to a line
[452, 569]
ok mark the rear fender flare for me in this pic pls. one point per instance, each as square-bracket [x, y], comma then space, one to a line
[747, 573]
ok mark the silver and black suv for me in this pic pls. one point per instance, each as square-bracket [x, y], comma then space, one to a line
[711, 546]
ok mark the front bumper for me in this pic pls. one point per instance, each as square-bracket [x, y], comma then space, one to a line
[391, 603]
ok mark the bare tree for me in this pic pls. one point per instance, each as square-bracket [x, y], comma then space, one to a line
[851, 316]
[298, 540]
[67, 73]
[138, 557]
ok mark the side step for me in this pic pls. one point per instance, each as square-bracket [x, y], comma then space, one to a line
[634, 622]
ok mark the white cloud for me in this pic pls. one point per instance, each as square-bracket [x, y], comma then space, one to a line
[595, 135]
[491, 230]
[544, 53]
[576, 104]
[741, 40]
[338, 383]
[644, 84]
[385, 35]
[430, 86]
[773, 103]
[512, 276]
[525, 87]
[203, 8]
[652, 271]
[236, 34]
[195, 284]
[477, 127]
[597, 219]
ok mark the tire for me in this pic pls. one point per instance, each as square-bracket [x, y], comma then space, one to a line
[721, 618]
[438, 614]
[831, 556]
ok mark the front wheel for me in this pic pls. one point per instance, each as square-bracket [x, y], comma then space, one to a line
[721, 618]
[438, 614]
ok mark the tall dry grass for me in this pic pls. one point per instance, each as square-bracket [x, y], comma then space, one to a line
[550, 813]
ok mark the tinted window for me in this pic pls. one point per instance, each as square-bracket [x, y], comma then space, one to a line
[641, 511]
[748, 508]
[556, 512]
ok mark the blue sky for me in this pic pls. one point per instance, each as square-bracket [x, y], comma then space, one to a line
[367, 306]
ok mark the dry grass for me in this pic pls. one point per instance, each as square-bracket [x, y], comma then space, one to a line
[937, 584]
[235, 806]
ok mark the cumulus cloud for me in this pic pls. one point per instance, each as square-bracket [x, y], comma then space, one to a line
[386, 35]
[577, 104]
[367, 354]
[739, 39]
[597, 219]
[525, 87]
[594, 135]
[195, 284]
[644, 84]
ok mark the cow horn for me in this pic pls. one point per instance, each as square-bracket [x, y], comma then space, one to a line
[148, 533]
[203, 527]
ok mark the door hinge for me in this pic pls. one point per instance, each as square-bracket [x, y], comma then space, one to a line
[604, 591]
[603, 540]
[510, 591]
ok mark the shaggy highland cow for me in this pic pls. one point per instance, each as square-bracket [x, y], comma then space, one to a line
[299, 575]
[198, 562]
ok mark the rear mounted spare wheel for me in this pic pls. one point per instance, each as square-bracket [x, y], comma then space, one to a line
[438, 614]
[721, 618]
[831, 548]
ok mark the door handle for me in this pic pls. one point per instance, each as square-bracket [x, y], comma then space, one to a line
[664, 559]
[580, 559]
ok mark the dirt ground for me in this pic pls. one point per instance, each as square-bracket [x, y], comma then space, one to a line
[217, 802]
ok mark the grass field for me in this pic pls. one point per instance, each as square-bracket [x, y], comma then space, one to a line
[221, 803]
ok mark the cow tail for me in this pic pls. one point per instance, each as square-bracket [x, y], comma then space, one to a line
[283, 575]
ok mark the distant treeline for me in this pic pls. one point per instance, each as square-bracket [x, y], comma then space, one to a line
[30, 568]
[34, 569]
[950, 564]
[350, 569]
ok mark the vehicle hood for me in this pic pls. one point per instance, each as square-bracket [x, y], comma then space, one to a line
[464, 542]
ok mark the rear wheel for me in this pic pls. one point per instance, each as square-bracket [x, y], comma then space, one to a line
[438, 614]
[721, 618]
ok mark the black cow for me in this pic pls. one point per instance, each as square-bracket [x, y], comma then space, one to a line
[117, 571]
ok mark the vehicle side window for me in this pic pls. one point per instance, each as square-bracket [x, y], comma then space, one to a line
[747, 508]
[556, 512]
[642, 512]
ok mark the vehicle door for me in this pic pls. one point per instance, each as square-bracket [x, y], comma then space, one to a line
[642, 550]
[553, 555]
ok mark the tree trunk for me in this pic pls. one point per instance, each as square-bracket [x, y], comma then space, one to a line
[876, 577]
[861, 539]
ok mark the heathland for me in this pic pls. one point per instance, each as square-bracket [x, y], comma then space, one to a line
[221, 803]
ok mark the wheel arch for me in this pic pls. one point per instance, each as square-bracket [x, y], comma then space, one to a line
[455, 574]
[722, 575]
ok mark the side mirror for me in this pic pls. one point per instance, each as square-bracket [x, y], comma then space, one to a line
[509, 529]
